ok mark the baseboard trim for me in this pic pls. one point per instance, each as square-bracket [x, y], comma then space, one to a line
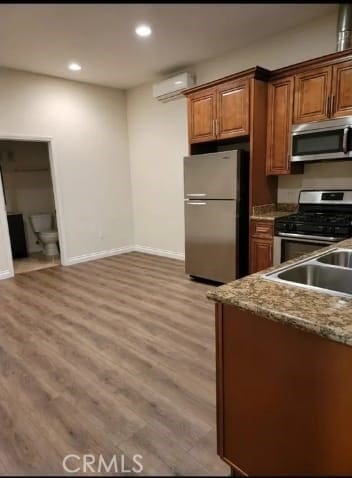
[159, 252]
[5, 275]
[98, 255]
[122, 250]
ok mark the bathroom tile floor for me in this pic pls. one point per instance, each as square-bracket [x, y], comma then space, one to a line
[34, 262]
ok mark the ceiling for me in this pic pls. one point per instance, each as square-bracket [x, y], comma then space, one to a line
[44, 38]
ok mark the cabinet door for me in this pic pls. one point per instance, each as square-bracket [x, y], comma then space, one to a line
[342, 89]
[201, 116]
[311, 96]
[280, 106]
[261, 254]
[233, 109]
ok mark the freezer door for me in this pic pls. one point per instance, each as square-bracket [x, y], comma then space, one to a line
[210, 249]
[212, 176]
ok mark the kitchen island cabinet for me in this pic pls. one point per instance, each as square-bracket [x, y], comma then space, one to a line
[284, 378]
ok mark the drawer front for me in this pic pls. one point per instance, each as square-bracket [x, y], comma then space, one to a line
[262, 228]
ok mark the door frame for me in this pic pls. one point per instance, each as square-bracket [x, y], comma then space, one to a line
[58, 203]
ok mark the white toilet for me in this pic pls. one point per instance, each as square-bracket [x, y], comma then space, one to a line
[43, 228]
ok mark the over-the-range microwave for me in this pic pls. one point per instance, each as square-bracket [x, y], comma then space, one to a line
[322, 140]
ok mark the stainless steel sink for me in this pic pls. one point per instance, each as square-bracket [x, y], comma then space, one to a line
[332, 278]
[329, 272]
[341, 258]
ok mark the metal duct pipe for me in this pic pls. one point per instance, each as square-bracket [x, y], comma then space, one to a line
[344, 27]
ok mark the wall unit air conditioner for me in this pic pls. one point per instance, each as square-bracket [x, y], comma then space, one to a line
[170, 89]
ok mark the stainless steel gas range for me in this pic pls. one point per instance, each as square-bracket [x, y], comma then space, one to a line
[323, 218]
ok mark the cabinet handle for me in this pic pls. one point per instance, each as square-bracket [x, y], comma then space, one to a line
[328, 106]
[217, 126]
[214, 132]
[332, 105]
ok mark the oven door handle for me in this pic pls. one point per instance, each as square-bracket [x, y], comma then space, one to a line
[305, 238]
[345, 139]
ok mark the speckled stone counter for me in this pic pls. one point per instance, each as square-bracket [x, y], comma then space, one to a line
[316, 312]
[269, 212]
[270, 216]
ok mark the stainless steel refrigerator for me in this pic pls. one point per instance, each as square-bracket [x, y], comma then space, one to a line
[216, 215]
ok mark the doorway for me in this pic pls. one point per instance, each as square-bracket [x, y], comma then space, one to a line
[28, 191]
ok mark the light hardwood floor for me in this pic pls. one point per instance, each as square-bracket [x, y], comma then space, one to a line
[34, 262]
[115, 356]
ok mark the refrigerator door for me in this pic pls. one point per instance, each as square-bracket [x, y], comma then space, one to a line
[210, 248]
[212, 176]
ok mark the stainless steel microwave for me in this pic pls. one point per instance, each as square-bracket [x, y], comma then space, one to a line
[322, 140]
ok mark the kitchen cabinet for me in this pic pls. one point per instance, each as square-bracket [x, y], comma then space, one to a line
[202, 116]
[261, 245]
[283, 398]
[312, 95]
[341, 102]
[323, 93]
[280, 104]
[219, 112]
[233, 109]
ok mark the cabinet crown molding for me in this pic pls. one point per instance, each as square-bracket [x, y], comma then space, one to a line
[257, 72]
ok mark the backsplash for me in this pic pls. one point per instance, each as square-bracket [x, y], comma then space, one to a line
[329, 175]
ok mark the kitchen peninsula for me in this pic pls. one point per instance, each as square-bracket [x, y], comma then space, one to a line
[284, 376]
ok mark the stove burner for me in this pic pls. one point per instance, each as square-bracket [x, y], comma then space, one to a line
[321, 223]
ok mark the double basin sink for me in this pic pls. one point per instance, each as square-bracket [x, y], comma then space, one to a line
[330, 272]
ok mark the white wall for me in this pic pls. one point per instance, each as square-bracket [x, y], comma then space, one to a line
[27, 183]
[90, 149]
[158, 136]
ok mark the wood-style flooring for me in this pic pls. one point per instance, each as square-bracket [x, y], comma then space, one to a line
[111, 357]
[34, 262]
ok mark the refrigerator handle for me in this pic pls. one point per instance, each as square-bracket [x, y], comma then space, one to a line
[196, 195]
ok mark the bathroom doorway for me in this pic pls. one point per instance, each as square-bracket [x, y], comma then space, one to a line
[28, 193]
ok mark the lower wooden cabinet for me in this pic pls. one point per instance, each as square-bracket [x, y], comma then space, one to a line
[261, 254]
[284, 405]
[261, 245]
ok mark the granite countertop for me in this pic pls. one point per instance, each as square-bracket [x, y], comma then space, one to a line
[269, 212]
[312, 311]
[271, 215]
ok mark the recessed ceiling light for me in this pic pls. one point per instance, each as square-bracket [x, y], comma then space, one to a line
[143, 30]
[178, 82]
[74, 66]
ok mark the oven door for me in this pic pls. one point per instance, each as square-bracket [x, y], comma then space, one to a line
[287, 248]
[321, 144]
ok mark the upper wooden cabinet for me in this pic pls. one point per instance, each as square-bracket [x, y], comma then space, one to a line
[219, 112]
[341, 101]
[323, 93]
[311, 97]
[280, 103]
[202, 115]
[233, 109]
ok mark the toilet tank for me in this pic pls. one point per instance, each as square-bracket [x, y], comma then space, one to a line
[41, 222]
